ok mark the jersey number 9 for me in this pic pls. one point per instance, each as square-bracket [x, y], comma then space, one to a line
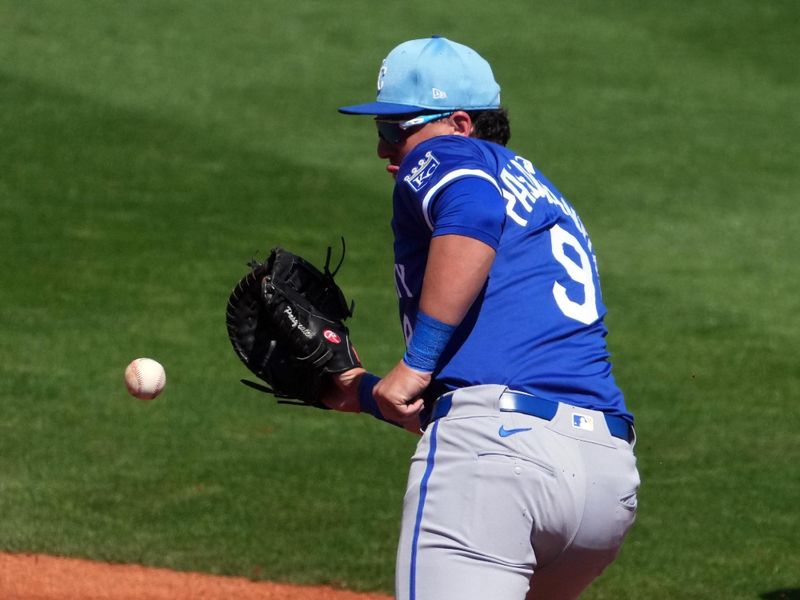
[580, 272]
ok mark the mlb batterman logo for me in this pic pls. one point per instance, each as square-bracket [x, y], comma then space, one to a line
[584, 422]
[422, 172]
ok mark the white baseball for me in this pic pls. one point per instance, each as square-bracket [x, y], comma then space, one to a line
[145, 378]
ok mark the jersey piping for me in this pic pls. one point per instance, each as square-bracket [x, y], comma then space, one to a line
[452, 175]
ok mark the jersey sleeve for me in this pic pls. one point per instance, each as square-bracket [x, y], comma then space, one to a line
[447, 186]
[469, 206]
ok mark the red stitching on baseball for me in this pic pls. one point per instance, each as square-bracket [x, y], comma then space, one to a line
[139, 380]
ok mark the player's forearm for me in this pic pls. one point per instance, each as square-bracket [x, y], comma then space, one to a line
[456, 271]
[368, 403]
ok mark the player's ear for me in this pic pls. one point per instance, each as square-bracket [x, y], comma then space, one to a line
[462, 123]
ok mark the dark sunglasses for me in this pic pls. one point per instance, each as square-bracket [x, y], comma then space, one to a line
[394, 132]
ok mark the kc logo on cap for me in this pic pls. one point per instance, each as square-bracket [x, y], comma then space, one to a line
[381, 75]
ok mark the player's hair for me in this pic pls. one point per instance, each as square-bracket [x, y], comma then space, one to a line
[491, 125]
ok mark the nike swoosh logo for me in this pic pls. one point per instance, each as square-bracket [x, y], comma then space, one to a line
[507, 432]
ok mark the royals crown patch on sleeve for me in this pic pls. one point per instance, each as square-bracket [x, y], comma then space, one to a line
[422, 171]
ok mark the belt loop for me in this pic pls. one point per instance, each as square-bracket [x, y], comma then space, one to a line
[441, 406]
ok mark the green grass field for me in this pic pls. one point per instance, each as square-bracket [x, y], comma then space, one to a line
[148, 149]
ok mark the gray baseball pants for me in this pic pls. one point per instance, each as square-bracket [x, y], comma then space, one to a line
[508, 506]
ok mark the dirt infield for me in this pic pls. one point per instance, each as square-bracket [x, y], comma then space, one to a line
[37, 577]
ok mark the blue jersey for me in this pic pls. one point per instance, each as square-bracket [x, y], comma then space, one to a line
[537, 325]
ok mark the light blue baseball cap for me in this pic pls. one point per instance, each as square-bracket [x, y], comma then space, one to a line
[431, 74]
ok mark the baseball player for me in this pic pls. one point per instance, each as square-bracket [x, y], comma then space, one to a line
[524, 482]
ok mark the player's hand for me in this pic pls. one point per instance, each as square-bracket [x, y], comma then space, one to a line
[341, 393]
[399, 394]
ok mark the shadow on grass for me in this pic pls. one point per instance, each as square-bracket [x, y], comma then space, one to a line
[784, 594]
[102, 179]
